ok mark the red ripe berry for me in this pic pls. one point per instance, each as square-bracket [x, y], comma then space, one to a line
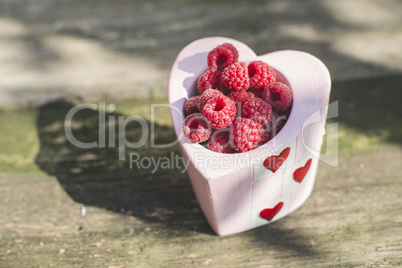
[222, 56]
[191, 105]
[220, 110]
[206, 96]
[211, 79]
[278, 95]
[258, 110]
[240, 96]
[257, 92]
[219, 142]
[266, 137]
[260, 74]
[235, 77]
[245, 134]
[221, 87]
[196, 128]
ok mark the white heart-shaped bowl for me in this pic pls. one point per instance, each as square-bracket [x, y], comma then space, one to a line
[233, 189]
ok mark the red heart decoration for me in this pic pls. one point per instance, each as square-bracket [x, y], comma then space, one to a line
[301, 172]
[274, 162]
[269, 213]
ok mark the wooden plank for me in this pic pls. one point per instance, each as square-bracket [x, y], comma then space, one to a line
[353, 218]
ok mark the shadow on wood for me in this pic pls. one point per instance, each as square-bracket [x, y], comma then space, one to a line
[97, 177]
[284, 240]
[371, 106]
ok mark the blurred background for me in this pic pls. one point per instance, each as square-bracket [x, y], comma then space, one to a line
[66, 206]
[97, 49]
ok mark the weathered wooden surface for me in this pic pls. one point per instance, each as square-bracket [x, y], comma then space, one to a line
[95, 49]
[353, 218]
[137, 219]
[98, 49]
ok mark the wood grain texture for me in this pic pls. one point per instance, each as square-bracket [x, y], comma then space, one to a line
[352, 219]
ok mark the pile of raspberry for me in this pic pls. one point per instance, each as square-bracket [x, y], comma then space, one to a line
[239, 107]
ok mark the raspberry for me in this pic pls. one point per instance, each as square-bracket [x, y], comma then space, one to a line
[258, 110]
[245, 134]
[277, 123]
[220, 110]
[196, 128]
[260, 74]
[257, 92]
[206, 96]
[219, 142]
[222, 56]
[240, 96]
[208, 80]
[278, 95]
[266, 137]
[191, 105]
[235, 77]
[221, 87]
